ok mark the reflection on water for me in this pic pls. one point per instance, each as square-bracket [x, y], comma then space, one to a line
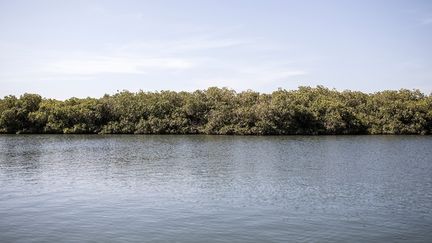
[75, 188]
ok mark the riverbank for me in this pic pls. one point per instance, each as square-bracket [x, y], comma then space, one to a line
[221, 111]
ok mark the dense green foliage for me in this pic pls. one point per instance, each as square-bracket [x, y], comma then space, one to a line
[223, 111]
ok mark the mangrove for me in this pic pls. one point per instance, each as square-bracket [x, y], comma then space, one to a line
[306, 110]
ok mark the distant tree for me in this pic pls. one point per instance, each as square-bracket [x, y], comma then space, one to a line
[215, 110]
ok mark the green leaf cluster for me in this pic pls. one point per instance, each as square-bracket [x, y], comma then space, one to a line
[307, 110]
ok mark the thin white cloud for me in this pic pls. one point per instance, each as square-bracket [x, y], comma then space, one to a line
[249, 78]
[427, 21]
[97, 65]
[273, 73]
[185, 45]
[194, 62]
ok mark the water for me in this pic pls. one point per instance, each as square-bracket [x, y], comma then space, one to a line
[79, 188]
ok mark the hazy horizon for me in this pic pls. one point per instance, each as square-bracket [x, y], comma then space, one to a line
[63, 49]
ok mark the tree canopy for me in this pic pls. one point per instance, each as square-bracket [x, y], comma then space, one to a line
[307, 110]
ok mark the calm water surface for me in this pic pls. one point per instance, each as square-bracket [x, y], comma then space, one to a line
[66, 188]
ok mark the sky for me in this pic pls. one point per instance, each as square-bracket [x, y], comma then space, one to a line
[63, 49]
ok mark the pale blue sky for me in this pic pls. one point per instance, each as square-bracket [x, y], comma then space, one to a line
[83, 48]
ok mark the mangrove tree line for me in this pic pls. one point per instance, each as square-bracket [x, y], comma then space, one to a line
[306, 110]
